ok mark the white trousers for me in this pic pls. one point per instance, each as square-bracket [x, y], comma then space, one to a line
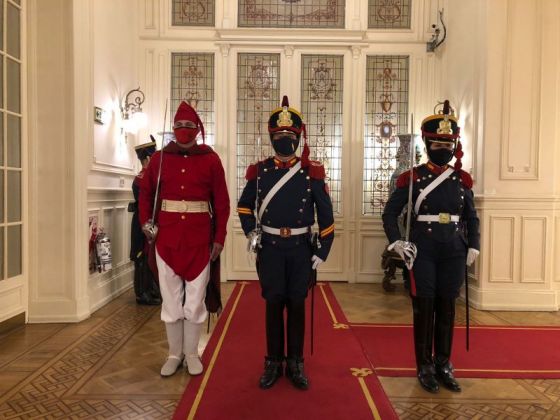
[173, 288]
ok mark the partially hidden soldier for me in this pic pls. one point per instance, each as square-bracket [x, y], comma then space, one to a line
[284, 191]
[445, 231]
[189, 233]
[145, 286]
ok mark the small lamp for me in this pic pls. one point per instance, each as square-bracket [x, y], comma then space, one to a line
[131, 111]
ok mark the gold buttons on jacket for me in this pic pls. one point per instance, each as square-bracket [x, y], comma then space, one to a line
[182, 187]
[183, 217]
[183, 171]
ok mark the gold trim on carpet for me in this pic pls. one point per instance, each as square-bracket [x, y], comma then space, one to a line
[336, 325]
[204, 382]
[475, 370]
[357, 372]
[361, 374]
[472, 327]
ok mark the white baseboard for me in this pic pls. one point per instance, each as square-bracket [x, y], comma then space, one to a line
[514, 300]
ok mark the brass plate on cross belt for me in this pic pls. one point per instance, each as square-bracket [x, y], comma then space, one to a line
[444, 218]
[285, 232]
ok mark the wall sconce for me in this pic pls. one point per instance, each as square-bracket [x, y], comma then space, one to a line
[435, 42]
[131, 111]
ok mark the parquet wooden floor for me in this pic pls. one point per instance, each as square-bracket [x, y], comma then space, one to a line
[107, 367]
[484, 399]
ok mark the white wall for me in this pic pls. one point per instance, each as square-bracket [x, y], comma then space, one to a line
[82, 53]
[503, 65]
[113, 160]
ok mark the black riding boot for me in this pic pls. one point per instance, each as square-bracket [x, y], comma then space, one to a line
[445, 320]
[274, 344]
[423, 311]
[296, 333]
[142, 287]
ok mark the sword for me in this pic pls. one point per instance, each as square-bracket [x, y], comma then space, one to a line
[467, 304]
[255, 236]
[409, 250]
[410, 181]
[151, 224]
[160, 163]
[313, 281]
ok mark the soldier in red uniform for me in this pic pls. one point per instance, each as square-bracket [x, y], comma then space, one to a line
[192, 192]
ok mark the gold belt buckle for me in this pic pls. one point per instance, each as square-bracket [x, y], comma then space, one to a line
[444, 218]
[285, 232]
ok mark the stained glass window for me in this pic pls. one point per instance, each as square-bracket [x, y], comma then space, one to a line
[291, 13]
[389, 14]
[258, 93]
[321, 93]
[386, 117]
[193, 12]
[192, 81]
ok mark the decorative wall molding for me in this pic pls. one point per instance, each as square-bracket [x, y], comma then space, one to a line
[522, 74]
[556, 250]
[110, 207]
[501, 249]
[101, 166]
[533, 247]
[148, 17]
[12, 298]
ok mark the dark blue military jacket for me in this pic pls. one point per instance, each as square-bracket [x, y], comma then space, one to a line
[293, 206]
[453, 196]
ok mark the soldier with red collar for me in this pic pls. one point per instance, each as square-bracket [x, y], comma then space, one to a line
[445, 231]
[285, 260]
[193, 209]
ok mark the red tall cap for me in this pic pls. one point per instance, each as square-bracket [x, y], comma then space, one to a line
[188, 113]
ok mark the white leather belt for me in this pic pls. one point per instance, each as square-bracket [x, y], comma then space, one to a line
[285, 232]
[174, 206]
[443, 218]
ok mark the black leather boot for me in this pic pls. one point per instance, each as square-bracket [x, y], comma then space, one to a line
[272, 371]
[274, 343]
[296, 335]
[143, 278]
[295, 373]
[423, 311]
[445, 321]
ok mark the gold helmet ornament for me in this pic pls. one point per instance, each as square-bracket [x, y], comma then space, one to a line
[442, 127]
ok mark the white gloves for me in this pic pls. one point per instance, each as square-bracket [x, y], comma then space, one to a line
[316, 261]
[472, 254]
[406, 250]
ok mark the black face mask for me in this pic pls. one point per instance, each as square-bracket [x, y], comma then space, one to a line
[285, 146]
[440, 156]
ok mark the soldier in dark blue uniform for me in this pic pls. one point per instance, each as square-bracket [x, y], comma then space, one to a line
[286, 258]
[145, 288]
[445, 230]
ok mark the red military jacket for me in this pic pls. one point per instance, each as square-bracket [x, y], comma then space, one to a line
[184, 239]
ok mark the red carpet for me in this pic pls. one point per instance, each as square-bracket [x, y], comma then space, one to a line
[342, 384]
[495, 351]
